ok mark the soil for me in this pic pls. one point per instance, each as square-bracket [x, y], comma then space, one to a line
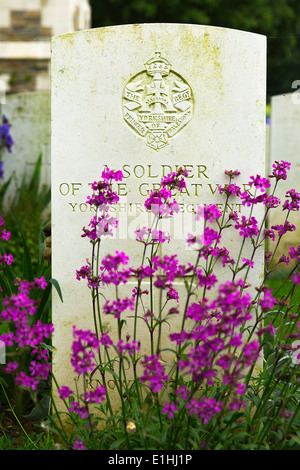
[11, 429]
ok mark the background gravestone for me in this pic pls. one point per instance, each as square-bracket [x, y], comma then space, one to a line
[284, 144]
[146, 99]
[29, 116]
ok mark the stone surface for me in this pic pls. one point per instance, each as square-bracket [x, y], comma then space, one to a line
[115, 102]
[26, 27]
[284, 144]
[29, 115]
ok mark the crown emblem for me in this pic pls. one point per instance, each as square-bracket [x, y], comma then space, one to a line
[157, 102]
[158, 65]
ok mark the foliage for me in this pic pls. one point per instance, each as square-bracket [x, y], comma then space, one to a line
[24, 328]
[211, 395]
[31, 198]
[6, 141]
[279, 21]
[25, 281]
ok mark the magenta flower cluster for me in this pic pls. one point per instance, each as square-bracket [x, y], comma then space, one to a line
[161, 201]
[16, 313]
[22, 332]
[84, 347]
[215, 322]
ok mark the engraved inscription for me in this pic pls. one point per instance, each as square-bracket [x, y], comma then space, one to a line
[157, 102]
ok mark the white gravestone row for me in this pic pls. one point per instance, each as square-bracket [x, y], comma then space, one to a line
[146, 99]
[30, 119]
[284, 144]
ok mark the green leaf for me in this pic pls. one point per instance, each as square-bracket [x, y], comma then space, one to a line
[27, 265]
[57, 287]
[40, 411]
[118, 443]
[41, 306]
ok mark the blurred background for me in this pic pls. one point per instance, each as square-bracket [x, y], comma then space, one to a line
[26, 27]
[279, 20]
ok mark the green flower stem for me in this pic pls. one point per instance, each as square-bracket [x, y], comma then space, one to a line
[16, 417]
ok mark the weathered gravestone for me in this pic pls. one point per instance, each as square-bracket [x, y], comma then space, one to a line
[146, 99]
[284, 144]
[29, 116]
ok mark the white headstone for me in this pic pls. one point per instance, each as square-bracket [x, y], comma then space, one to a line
[29, 116]
[146, 99]
[284, 144]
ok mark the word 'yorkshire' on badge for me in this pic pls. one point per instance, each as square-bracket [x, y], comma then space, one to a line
[157, 102]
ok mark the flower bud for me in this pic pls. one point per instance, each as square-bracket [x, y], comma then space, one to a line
[131, 427]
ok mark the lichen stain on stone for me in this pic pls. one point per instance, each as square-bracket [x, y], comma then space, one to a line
[207, 57]
[211, 53]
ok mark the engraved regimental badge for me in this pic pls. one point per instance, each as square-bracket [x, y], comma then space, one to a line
[157, 102]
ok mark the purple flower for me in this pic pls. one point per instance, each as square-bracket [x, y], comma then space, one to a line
[105, 340]
[78, 445]
[100, 226]
[6, 140]
[282, 229]
[175, 180]
[247, 227]
[97, 395]
[272, 201]
[269, 233]
[232, 173]
[267, 329]
[84, 272]
[64, 392]
[280, 170]
[248, 262]
[159, 236]
[209, 212]
[116, 307]
[40, 370]
[6, 259]
[259, 182]
[250, 353]
[236, 340]
[10, 367]
[169, 409]
[170, 270]
[284, 259]
[230, 189]
[208, 281]
[182, 392]
[206, 408]
[128, 346]
[153, 373]
[5, 235]
[295, 252]
[110, 269]
[294, 205]
[198, 311]
[296, 278]
[160, 203]
[81, 411]
[173, 294]
[27, 382]
[103, 195]
[225, 361]
[209, 236]
[82, 358]
[109, 175]
[236, 404]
